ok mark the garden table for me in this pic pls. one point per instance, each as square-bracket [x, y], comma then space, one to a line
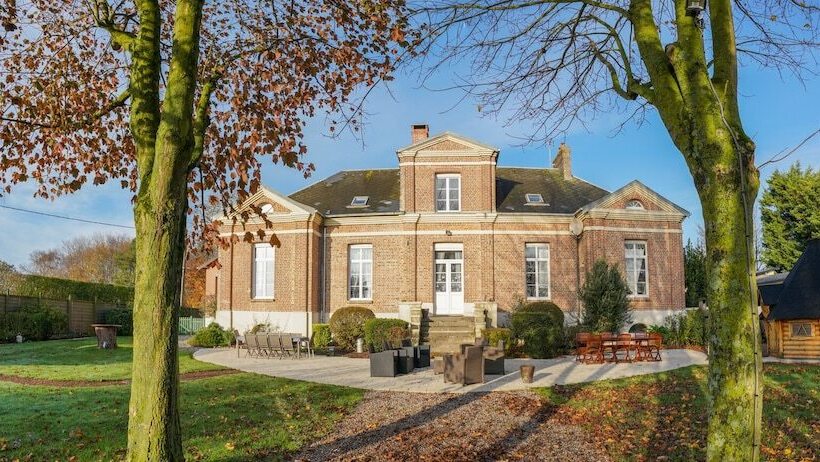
[106, 335]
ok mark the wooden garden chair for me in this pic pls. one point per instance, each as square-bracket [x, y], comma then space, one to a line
[654, 346]
[594, 351]
[581, 339]
[641, 345]
[624, 345]
[608, 346]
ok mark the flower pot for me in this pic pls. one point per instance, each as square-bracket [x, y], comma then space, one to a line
[527, 372]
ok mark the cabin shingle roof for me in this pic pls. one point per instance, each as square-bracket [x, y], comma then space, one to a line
[799, 297]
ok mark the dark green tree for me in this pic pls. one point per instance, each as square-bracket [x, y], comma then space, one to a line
[790, 212]
[694, 268]
[605, 297]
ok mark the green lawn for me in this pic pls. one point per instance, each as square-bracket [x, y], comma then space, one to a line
[644, 417]
[230, 417]
[58, 360]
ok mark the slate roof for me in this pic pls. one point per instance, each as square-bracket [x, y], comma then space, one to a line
[560, 195]
[332, 196]
[800, 295]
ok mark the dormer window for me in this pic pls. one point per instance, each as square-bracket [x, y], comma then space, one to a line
[359, 201]
[534, 199]
[634, 204]
[448, 193]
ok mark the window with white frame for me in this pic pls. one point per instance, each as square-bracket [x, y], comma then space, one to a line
[448, 193]
[360, 286]
[636, 269]
[537, 268]
[801, 329]
[263, 271]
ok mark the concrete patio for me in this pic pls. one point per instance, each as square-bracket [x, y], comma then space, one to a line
[356, 372]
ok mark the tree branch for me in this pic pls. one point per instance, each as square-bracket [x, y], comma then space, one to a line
[104, 18]
[201, 119]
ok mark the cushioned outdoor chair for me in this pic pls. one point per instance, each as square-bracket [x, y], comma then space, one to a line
[494, 359]
[465, 368]
[384, 364]
[422, 356]
[406, 359]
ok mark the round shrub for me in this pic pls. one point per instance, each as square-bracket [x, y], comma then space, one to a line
[212, 336]
[380, 330]
[541, 326]
[347, 324]
[125, 318]
[321, 336]
[496, 334]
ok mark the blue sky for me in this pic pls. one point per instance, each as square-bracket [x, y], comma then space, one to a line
[778, 113]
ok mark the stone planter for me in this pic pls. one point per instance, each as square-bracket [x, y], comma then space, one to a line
[527, 371]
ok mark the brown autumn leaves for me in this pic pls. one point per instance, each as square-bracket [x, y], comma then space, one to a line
[64, 118]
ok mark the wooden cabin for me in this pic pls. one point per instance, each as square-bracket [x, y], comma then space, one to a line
[790, 304]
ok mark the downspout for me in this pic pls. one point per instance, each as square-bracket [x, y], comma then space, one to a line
[578, 276]
[323, 308]
[230, 289]
[308, 246]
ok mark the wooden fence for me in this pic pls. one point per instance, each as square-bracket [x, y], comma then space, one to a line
[189, 325]
[81, 313]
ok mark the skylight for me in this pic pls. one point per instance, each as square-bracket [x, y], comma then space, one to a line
[534, 198]
[359, 201]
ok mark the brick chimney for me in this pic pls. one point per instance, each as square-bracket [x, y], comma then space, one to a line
[563, 161]
[419, 132]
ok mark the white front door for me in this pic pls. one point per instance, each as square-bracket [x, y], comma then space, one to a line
[449, 279]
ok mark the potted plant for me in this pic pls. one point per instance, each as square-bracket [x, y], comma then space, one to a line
[527, 372]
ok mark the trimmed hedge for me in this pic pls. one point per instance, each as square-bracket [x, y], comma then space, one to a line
[541, 326]
[125, 318]
[347, 324]
[494, 334]
[212, 336]
[321, 335]
[36, 322]
[380, 330]
[30, 285]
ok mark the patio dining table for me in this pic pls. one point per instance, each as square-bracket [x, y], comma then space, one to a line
[633, 347]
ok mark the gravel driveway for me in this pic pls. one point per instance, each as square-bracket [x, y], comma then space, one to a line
[391, 426]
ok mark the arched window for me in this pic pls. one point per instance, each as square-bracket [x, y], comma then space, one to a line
[634, 204]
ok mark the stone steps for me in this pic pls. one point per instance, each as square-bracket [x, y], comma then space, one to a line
[446, 333]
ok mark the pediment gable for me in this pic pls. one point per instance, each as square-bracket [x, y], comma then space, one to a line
[448, 142]
[280, 204]
[650, 200]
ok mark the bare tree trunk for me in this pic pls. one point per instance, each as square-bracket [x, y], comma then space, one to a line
[727, 184]
[153, 426]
